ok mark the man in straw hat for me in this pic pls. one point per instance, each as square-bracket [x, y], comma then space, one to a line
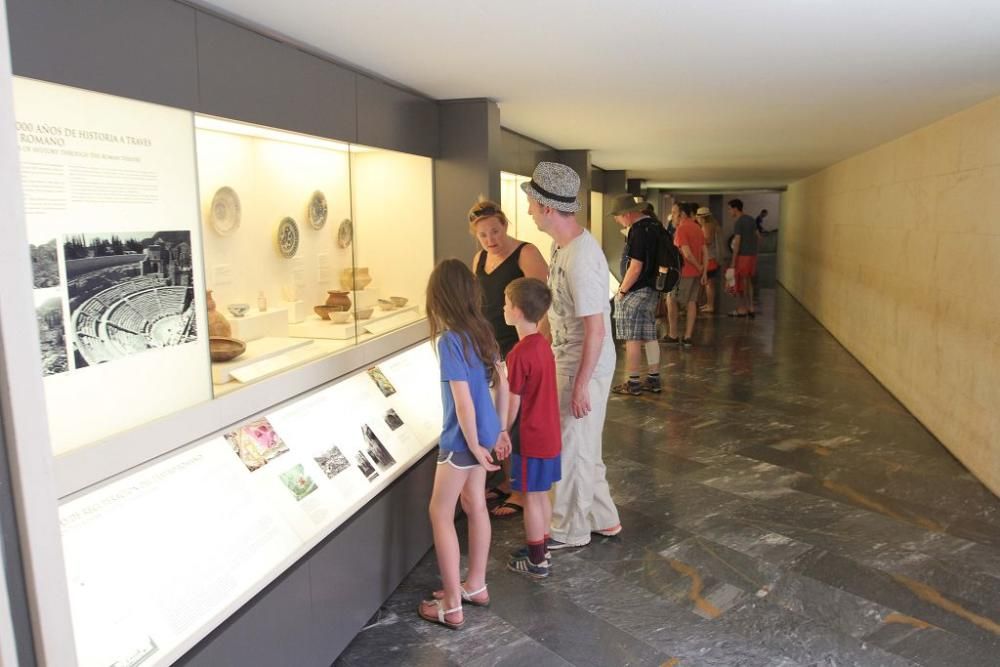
[585, 356]
[637, 298]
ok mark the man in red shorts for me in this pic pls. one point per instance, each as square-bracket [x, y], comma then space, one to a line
[744, 258]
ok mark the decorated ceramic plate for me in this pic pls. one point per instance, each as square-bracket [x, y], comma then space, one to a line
[288, 238]
[346, 233]
[317, 210]
[225, 211]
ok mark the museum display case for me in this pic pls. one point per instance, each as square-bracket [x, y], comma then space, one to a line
[311, 245]
[178, 256]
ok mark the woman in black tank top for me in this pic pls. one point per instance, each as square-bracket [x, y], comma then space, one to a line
[502, 260]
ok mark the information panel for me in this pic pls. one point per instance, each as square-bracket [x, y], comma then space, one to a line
[110, 196]
[159, 558]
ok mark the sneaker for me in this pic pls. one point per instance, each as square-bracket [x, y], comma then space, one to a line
[687, 342]
[671, 340]
[527, 568]
[523, 553]
[609, 532]
[651, 385]
[554, 545]
[629, 388]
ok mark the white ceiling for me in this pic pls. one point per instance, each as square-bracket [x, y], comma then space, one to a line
[692, 92]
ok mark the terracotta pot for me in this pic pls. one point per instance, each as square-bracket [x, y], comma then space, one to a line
[336, 302]
[218, 325]
[355, 279]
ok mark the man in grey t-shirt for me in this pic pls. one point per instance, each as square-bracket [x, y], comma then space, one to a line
[744, 262]
[585, 357]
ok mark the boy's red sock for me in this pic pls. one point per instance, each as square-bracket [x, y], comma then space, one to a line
[536, 552]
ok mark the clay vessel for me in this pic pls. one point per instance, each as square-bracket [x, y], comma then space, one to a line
[225, 349]
[355, 279]
[336, 302]
[400, 301]
[218, 325]
[364, 314]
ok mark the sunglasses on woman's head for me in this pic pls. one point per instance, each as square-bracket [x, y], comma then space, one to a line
[482, 212]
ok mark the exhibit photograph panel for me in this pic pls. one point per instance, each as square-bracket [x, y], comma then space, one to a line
[110, 197]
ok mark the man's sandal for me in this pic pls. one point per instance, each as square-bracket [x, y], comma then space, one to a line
[439, 617]
[472, 598]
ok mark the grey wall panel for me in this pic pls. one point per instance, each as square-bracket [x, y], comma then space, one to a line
[354, 573]
[144, 49]
[614, 183]
[249, 77]
[389, 117]
[510, 151]
[579, 160]
[597, 179]
[464, 170]
[273, 629]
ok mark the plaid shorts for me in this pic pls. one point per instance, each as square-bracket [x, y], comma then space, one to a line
[635, 315]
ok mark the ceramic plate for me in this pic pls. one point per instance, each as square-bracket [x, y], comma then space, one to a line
[225, 211]
[317, 210]
[346, 233]
[288, 238]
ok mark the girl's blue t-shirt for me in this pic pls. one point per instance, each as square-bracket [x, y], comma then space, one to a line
[455, 365]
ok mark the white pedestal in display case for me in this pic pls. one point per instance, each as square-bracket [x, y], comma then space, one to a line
[380, 322]
[160, 557]
[257, 351]
[297, 311]
[256, 324]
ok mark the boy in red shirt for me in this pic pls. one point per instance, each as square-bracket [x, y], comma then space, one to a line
[535, 430]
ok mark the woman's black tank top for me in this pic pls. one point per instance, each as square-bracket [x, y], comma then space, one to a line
[493, 285]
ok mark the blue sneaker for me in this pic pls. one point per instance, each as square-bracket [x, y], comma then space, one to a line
[523, 553]
[527, 568]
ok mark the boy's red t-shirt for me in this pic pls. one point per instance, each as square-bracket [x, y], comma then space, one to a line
[531, 372]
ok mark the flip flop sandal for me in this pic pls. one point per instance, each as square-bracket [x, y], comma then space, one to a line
[467, 597]
[515, 510]
[439, 618]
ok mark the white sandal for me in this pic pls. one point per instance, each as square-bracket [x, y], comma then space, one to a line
[467, 596]
[441, 613]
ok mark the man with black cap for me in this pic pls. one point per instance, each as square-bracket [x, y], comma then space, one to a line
[585, 356]
[637, 297]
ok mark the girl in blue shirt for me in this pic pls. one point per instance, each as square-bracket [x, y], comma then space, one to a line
[469, 357]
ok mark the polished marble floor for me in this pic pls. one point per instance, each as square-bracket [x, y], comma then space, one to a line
[780, 508]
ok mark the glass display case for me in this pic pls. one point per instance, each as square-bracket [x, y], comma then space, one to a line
[304, 246]
[178, 257]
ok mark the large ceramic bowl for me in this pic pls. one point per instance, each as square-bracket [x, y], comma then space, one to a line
[364, 314]
[225, 349]
[400, 301]
[339, 317]
[385, 304]
[327, 312]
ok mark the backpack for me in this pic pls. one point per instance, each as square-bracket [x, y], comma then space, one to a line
[668, 261]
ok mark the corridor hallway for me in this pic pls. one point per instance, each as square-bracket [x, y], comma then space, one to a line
[779, 508]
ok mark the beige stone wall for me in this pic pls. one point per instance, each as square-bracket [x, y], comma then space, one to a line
[897, 252]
